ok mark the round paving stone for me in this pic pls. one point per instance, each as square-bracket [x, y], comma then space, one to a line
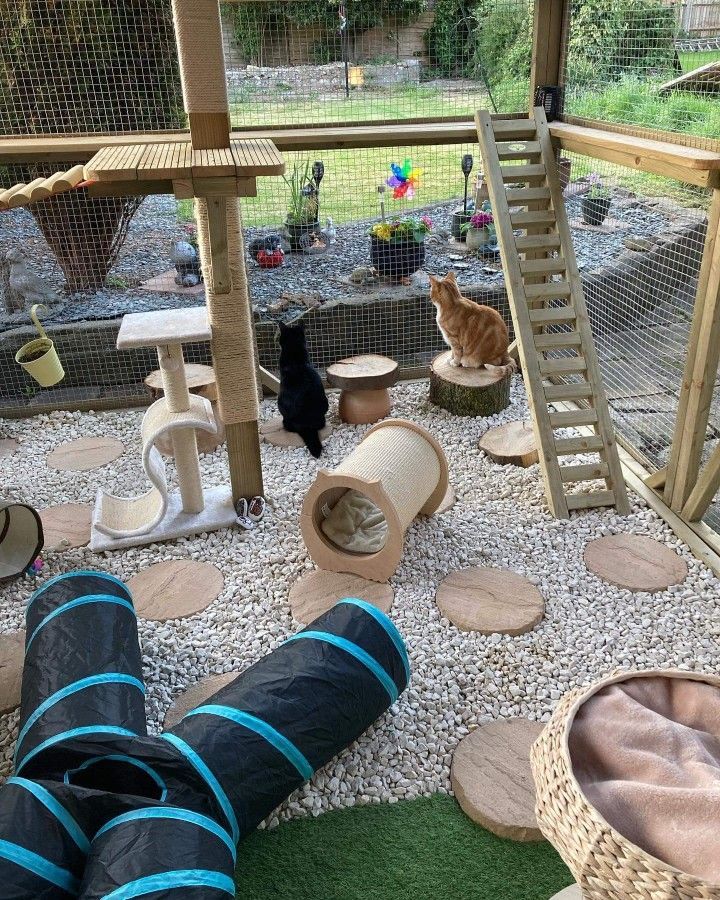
[492, 779]
[274, 433]
[447, 502]
[196, 695]
[635, 562]
[12, 656]
[491, 601]
[175, 588]
[66, 525]
[85, 454]
[511, 444]
[316, 592]
[570, 893]
[8, 446]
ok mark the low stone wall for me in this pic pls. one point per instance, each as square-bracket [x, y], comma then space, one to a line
[98, 374]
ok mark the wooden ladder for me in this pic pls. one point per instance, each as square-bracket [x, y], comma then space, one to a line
[546, 298]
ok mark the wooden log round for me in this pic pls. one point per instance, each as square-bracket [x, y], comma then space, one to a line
[468, 392]
[511, 444]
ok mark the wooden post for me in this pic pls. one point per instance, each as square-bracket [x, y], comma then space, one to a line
[202, 68]
[550, 23]
[700, 371]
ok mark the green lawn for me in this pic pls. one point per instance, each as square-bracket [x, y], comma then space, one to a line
[424, 849]
[690, 60]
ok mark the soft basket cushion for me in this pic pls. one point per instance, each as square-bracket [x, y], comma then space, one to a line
[356, 524]
[646, 753]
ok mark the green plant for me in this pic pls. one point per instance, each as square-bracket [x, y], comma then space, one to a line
[417, 227]
[450, 40]
[502, 47]
[116, 281]
[598, 190]
[303, 204]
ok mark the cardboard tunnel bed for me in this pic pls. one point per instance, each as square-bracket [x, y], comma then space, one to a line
[402, 470]
[21, 538]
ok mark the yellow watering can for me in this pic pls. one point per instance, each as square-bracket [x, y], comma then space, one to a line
[39, 357]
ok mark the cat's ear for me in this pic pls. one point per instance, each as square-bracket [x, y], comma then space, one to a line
[434, 279]
[451, 277]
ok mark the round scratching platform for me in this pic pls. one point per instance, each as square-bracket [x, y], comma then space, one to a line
[364, 381]
[511, 444]
[492, 780]
[196, 695]
[635, 562]
[491, 601]
[201, 381]
[85, 454]
[175, 588]
[468, 392]
[66, 525]
[12, 656]
[316, 592]
[402, 470]
[8, 446]
[273, 432]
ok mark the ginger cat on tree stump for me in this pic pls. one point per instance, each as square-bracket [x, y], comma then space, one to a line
[476, 334]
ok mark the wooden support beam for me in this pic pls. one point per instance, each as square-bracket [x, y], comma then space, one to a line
[219, 259]
[268, 380]
[705, 489]
[701, 368]
[550, 20]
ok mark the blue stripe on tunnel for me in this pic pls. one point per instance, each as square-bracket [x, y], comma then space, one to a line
[56, 809]
[121, 757]
[387, 624]
[73, 604]
[343, 644]
[181, 878]
[202, 769]
[177, 814]
[86, 730]
[39, 866]
[271, 735]
[77, 574]
[69, 690]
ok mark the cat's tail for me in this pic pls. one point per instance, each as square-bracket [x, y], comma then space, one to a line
[312, 442]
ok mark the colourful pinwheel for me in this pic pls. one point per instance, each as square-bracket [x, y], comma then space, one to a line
[404, 180]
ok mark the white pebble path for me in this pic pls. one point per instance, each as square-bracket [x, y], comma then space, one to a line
[460, 680]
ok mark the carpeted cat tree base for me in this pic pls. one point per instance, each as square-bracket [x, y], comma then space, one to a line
[468, 392]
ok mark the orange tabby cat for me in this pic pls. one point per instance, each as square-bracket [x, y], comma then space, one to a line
[476, 334]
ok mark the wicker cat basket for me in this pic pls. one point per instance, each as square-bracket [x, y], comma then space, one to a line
[606, 865]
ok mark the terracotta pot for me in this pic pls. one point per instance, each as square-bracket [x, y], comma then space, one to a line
[475, 238]
[364, 407]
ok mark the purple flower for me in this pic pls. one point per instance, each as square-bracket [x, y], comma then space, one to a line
[481, 219]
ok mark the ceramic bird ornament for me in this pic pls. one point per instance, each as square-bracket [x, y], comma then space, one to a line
[23, 287]
[330, 231]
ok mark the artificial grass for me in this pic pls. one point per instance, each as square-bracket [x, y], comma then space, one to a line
[424, 849]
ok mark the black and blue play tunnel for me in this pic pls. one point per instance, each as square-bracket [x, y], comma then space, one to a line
[262, 736]
[83, 673]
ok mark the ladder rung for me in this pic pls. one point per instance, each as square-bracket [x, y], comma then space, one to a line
[552, 266]
[554, 315]
[537, 242]
[518, 149]
[570, 446]
[588, 501]
[561, 339]
[516, 129]
[571, 365]
[523, 173]
[523, 196]
[572, 391]
[548, 291]
[533, 217]
[570, 417]
[586, 472]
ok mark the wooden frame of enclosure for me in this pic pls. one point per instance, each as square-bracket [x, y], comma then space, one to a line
[682, 492]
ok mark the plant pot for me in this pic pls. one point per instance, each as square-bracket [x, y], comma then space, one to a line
[594, 209]
[40, 360]
[564, 170]
[298, 233]
[397, 259]
[459, 218]
[476, 238]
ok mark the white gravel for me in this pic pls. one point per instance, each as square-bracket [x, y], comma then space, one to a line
[459, 680]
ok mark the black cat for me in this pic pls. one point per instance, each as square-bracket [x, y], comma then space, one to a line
[301, 401]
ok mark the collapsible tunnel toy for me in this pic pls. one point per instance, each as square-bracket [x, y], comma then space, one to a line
[99, 809]
[21, 538]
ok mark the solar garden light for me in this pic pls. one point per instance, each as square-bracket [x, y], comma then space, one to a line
[466, 165]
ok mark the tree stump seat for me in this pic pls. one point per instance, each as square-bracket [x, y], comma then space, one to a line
[468, 392]
[364, 383]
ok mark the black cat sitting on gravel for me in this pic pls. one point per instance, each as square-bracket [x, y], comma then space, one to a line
[301, 401]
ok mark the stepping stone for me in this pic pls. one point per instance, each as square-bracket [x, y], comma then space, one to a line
[447, 502]
[196, 695]
[12, 656]
[318, 591]
[511, 444]
[570, 893]
[85, 454]
[8, 446]
[66, 525]
[635, 562]
[274, 433]
[490, 601]
[492, 779]
[175, 588]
